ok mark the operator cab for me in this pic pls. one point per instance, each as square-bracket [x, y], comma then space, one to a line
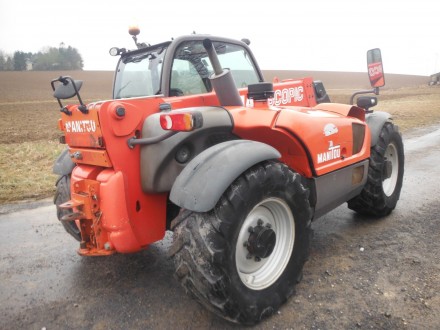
[181, 67]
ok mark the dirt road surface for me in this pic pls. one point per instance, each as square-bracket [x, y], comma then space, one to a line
[362, 274]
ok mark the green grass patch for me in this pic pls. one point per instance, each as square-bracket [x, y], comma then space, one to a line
[26, 170]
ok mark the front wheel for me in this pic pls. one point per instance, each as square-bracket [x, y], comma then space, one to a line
[243, 259]
[385, 175]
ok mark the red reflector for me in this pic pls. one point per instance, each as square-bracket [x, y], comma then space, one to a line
[179, 121]
[166, 122]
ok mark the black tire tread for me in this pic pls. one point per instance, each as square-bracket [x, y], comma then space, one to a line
[372, 200]
[62, 195]
[200, 246]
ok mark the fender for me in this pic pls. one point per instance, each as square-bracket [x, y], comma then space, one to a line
[159, 166]
[375, 122]
[64, 164]
[202, 182]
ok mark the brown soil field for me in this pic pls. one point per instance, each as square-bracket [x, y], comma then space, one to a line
[350, 80]
[29, 116]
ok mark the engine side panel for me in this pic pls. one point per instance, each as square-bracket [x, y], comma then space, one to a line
[329, 138]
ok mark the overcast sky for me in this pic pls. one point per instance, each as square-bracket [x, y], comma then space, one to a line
[328, 35]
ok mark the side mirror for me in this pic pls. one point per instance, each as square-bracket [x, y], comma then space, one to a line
[67, 89]
[375, 68]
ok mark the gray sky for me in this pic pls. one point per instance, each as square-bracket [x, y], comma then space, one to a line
[329, 35]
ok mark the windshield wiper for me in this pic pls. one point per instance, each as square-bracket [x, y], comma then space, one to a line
[118, 94]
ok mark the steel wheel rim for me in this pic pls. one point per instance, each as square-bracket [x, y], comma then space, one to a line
[389, 184]
[258, 275]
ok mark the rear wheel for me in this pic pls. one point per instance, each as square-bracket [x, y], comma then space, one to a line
[62, 195]
[243, 259]
[385, 175]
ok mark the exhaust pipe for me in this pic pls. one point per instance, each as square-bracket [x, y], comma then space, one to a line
[221, 79]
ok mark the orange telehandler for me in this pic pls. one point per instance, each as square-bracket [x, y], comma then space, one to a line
[195, 141]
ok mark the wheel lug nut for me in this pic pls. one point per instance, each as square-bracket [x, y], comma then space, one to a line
[257, 259]
[249, 256]
[250, 229]
[268, 225]
[260, 222]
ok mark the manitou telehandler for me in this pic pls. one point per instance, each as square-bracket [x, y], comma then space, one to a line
[195, 141]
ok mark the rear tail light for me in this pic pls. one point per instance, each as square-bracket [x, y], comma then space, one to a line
[182, 122]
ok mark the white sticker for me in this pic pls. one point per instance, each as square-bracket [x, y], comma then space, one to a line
[80, 126]
[330, 129]
[333, 152]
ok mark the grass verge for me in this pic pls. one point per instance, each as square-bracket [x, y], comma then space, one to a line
[26, 170]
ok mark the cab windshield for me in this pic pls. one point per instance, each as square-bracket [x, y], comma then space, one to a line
[139, 74]
[191, 67]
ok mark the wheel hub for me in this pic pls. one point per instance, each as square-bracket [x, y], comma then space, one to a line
[261, 241]
[265, 243]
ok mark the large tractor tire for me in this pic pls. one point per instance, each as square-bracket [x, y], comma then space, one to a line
[242, 259]
[62, 195]
[385, 175]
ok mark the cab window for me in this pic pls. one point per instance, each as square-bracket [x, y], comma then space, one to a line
[139, 74]
[191, 67]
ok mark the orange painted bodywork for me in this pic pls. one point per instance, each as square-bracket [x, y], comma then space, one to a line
[298, 134]
[117, 216]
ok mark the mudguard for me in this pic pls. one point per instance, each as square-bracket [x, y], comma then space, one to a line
[202, 182]
[375, 122]
[64, 164]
